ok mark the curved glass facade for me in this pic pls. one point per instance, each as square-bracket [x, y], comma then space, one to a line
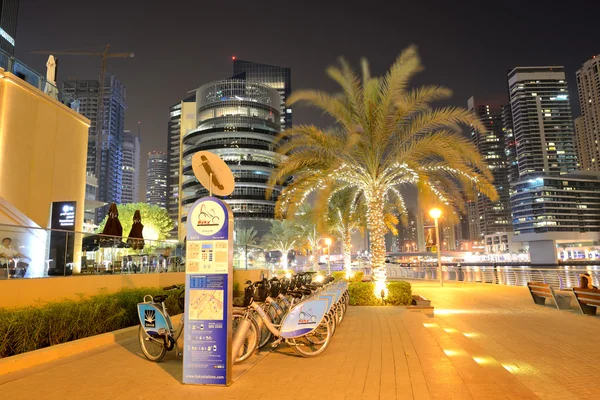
[238, 120]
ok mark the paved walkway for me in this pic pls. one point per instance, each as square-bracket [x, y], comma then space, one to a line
[485, 342]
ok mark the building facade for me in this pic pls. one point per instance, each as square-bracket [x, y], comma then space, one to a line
[105, 149]
[408, 234]
[173, 159]
[510, 145]
[43, 156]
[156, 184]
[542, 121]
[570, 203]
[131, 168]
[494, 217]
[279, 78]
[237, 120]
[588, 125]
[9, 11]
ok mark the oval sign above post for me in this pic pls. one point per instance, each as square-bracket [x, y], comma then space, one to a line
[213, 173]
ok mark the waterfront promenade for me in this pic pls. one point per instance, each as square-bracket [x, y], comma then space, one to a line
[485, 342]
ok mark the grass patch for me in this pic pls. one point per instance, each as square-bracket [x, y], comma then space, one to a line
[31, 328]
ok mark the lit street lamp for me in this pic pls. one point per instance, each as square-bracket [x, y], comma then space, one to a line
[436, 213]
[328, 243]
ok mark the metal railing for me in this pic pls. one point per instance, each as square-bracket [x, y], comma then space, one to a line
[29, 75]
[32, 252]
[560, 277]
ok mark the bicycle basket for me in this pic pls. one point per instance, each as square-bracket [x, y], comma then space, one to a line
[260, 293]
[275, 288]
[248, 293]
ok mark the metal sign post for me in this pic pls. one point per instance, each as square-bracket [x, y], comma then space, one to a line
[209, 278]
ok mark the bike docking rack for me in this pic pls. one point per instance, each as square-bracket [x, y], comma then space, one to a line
[297, 311]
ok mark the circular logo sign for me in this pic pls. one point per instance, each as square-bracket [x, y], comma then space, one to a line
[208, 218]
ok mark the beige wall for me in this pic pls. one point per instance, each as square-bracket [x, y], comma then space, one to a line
[43, 147]
[26, 292]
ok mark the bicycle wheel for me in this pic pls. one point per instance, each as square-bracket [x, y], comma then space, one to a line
[265, 333]
[153, 349]
[314, 343]
[251, 341]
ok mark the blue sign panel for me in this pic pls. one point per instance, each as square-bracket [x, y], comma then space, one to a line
[205, 354]
[209, 269]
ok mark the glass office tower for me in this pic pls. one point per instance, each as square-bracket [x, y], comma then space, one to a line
[279, 78]
[238, 120]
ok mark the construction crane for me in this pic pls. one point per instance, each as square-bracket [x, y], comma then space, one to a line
[100, 112]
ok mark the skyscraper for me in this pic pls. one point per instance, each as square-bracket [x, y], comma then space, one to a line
[510, 146]
[9, 10]
[105, 149]
[173, 159]
[279, 78]
[237, 120]
[542, 121]
[588, 125]
[131, 168]
[156, 184]
[493, 217]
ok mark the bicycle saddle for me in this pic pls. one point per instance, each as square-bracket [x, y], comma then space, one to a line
[160, 298]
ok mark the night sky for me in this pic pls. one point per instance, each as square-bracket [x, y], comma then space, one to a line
[180, 45]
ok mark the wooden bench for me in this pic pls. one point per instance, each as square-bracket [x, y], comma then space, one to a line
[542, 291]
[587, 299]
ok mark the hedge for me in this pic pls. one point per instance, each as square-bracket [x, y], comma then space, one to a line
[30, 328]
[362, 294]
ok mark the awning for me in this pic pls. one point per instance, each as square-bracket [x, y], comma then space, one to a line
[91, 205]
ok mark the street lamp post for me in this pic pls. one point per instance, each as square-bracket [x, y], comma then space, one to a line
[328, 243]
[436, 213]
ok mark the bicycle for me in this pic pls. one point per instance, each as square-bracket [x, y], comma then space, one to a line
[156, 333]
[307, 336]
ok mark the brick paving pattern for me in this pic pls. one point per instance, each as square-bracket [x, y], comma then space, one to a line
[485, 342]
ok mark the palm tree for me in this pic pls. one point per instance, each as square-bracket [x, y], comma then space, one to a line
[243, 239]
[346, 215]
[387, 137]
[282, 237]
[309, 231]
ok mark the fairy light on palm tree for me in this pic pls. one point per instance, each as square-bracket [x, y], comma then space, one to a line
[436, 213]
[388, 137]
[328, 243]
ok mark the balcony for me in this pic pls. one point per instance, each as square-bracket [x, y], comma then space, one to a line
[17, 68]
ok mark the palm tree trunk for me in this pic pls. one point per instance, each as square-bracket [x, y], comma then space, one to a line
[347, 250]
[284, 259]
[376, 225]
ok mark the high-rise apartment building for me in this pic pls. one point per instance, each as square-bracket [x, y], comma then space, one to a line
[105, 149]
[156, 184]
[279, 78]
[408, 234]
[542, 121]
[131, 168]
[494, 216]
[173, 159]
[510, 145]
[587, 127]
[9, 10]
[471, 227]
[237, 120]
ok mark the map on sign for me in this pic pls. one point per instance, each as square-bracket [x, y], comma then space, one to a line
[206, 304]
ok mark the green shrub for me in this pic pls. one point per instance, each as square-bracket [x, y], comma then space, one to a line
[339, 275]
[358, 276]
[399, 293]
[30, 328]
[361, 294]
